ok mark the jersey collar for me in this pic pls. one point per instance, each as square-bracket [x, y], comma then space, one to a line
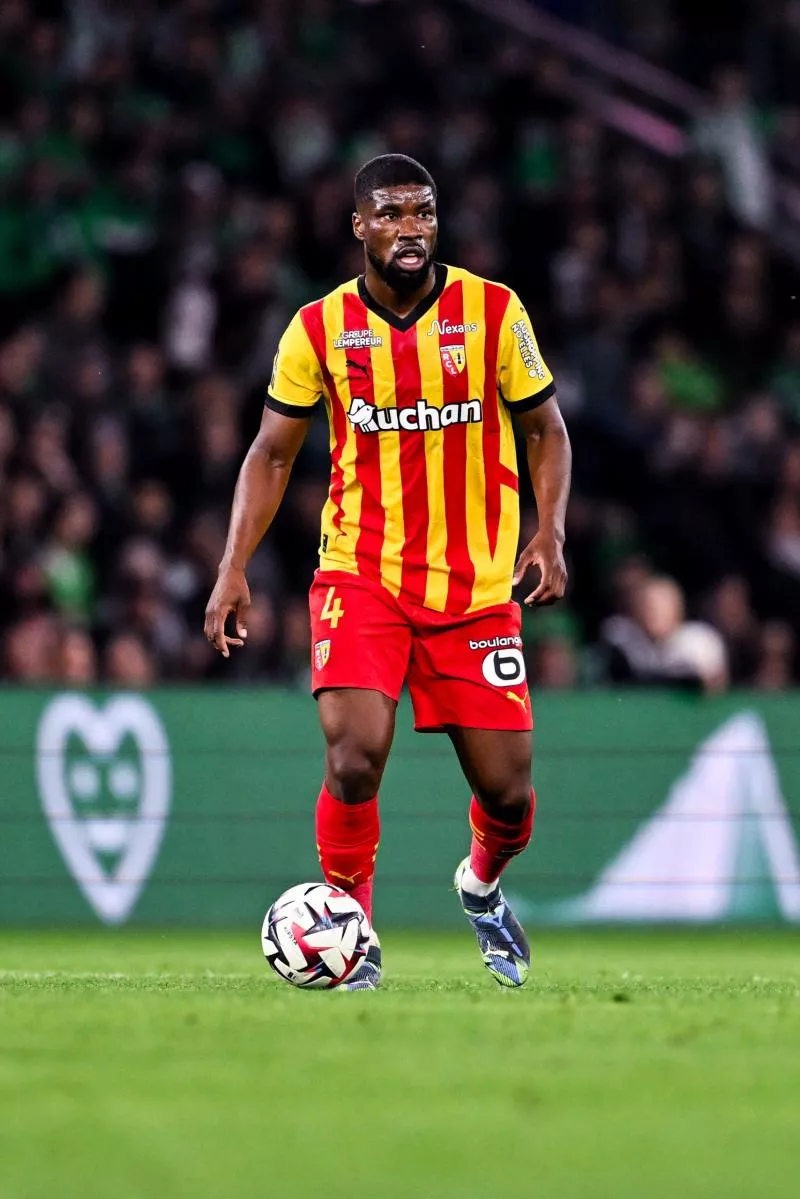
[403, 323]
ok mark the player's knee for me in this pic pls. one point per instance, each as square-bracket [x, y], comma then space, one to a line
[507, 800]
[355, 770]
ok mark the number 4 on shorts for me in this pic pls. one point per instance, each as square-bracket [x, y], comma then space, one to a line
[332, 609]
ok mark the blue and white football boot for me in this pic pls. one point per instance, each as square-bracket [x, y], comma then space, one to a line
[501, 940]
[368, 975]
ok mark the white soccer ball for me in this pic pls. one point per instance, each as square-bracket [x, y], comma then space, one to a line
[315, 935]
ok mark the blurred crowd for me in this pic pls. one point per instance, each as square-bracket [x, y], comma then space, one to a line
[176, 179]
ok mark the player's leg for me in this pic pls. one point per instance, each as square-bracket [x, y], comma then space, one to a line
[497, 765]
[468, 672]
[358, 727]
[361, 648]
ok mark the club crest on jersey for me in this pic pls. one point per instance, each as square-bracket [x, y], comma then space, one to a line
[322, 651]
[454, 359]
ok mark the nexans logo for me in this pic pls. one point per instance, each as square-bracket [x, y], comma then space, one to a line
[421, 418]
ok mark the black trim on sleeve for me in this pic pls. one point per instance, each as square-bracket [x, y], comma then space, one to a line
[533, 401]
[299, 411]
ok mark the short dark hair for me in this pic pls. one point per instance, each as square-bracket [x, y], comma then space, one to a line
[390, 170]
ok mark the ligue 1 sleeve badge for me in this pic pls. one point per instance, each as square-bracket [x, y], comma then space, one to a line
[454, 359]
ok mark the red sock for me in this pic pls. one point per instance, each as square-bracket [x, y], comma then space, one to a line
[347, 843]
[494, 844]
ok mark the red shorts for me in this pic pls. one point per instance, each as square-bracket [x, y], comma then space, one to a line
[465, 671]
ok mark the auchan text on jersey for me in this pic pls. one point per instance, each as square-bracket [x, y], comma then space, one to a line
[421, 418]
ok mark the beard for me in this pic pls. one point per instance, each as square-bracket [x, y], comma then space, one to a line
[403, 283]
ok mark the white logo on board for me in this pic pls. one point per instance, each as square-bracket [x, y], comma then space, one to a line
[105, 782]
[721, 846]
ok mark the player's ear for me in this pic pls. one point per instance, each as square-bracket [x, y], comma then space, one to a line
[358, 226]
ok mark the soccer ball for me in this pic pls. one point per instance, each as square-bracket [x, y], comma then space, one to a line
[315, 935]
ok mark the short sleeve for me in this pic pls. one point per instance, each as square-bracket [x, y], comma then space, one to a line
[522, 374]
[296, 384]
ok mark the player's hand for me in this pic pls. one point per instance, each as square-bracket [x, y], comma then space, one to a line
[230, 594]
[547, 553]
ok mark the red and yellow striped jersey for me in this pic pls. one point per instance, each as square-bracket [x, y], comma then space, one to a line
[424, 488]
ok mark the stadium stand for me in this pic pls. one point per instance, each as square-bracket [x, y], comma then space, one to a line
[175, 179]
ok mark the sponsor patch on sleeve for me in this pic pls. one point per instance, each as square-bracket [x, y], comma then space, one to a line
[528, 349]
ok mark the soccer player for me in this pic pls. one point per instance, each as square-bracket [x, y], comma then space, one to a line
[421, 368]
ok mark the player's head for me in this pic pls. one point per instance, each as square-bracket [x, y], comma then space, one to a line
[396, 219]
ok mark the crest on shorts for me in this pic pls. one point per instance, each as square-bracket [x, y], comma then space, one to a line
[322, 651]
[454, 359]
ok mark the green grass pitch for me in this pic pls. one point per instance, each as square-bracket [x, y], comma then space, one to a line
[633, 1066]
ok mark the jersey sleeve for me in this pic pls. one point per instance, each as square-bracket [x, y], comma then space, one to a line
[523, 377]
[295, 388]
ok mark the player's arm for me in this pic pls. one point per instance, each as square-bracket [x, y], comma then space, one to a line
[294, 392]
[528, 391]
[259, 491]
[550, 465]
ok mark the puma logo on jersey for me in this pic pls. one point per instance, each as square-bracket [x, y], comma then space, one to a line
[518, 699]
[422, 418]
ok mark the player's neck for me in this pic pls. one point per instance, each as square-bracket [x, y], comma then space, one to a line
[387, 297]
